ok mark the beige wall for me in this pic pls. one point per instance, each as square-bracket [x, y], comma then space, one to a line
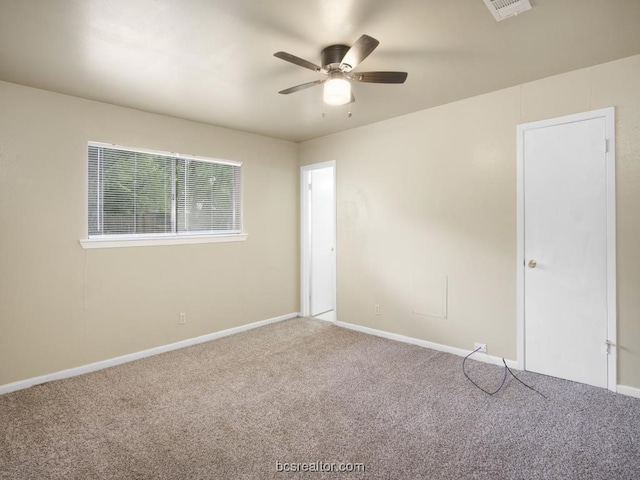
[62, 306]
[420, 197]
[433, 194]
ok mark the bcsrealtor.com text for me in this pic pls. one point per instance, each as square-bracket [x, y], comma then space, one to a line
[319, 466]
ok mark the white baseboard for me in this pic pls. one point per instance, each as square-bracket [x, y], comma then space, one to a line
[630, 391]
[327, 316]
[112, 362]
[481, 357]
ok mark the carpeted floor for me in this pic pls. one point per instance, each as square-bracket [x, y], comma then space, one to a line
[306, 391]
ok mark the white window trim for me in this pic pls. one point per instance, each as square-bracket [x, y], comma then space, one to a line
[161, 153]
[118, 241]
[141, 241]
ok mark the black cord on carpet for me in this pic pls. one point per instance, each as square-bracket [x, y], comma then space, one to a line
[504, 378]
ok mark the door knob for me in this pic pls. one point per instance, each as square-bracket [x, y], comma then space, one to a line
[532, 263]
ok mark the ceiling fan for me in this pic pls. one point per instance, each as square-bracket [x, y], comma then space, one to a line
[338, 63]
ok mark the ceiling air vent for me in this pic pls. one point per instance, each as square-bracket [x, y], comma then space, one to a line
[502, 9]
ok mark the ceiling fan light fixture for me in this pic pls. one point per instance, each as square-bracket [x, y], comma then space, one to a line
[338, 63]
[337, 91]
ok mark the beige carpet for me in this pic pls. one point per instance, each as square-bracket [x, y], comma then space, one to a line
[307, 391]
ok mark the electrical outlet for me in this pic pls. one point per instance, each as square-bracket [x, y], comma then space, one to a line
[183, 318]
[481, 347]
[376, 309]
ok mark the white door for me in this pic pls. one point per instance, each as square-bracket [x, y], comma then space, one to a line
[565, 272]
[321, 240]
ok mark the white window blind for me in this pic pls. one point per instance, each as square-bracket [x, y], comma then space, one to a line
[154, 194]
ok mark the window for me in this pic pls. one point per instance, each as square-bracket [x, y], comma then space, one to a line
[144, 194]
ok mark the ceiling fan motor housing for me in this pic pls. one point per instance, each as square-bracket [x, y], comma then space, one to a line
[332, 56]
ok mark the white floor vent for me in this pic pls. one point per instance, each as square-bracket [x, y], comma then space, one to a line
[502, 9]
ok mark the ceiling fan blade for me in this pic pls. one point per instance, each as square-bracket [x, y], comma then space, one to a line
[359, 51]
[287, 57]
[297, 88]
[380, 77]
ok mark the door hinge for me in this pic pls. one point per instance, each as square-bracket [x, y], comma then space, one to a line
[609, 344]
[309, 186]
[606, 145]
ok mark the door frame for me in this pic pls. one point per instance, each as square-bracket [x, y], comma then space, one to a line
[609, 115]
[305, 224]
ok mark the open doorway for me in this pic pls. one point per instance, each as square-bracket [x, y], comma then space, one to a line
[318, 240]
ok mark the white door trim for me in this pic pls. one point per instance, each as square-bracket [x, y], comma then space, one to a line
[609, 115]
[305, 307]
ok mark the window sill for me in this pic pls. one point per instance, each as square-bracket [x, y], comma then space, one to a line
[152, 242]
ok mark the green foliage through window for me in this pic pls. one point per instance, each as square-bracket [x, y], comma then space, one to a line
[142, 193]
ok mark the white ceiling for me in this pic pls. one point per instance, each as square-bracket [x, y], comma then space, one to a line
[212, 60]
